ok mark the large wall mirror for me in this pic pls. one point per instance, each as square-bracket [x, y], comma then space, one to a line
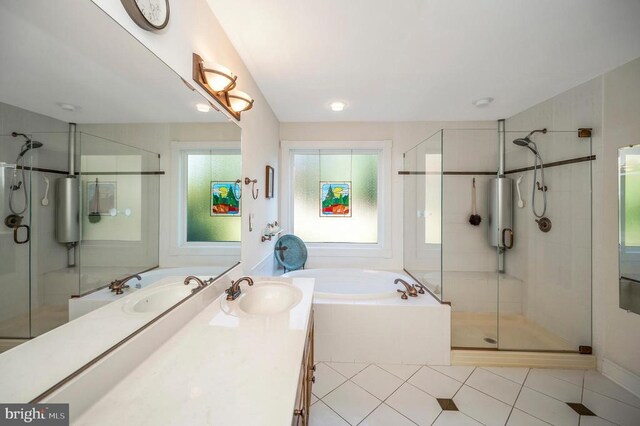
[629, 227]
[110, 166]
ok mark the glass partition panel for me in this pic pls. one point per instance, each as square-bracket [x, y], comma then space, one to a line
[422, 171]
[469, 277]
[15, 193]
[119, 205]
[545, 291]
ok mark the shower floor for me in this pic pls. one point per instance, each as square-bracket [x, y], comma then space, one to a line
[515, 332]
[43, 319]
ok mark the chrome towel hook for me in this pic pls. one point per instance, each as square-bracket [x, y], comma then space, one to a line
[254, 190]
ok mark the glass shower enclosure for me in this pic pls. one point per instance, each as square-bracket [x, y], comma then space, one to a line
[119, 219]
[527, 288]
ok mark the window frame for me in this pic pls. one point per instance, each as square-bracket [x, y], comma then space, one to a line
[180, 246]
[628, 253]
[380, 249]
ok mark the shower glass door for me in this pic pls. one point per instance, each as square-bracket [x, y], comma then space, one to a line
[15, 300]
[544, 293]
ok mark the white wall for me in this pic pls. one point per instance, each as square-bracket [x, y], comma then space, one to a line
[621, 126]
[194, 28]
[404, 136]
[610, 104]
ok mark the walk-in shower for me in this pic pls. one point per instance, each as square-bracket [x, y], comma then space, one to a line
[511, 287]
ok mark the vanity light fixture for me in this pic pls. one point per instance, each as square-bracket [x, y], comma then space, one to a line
[220, 82]
[219, 77]
[239, 101]
[337, 106]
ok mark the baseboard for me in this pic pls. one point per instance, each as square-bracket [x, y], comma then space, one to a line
[490, 358]
[621, 376]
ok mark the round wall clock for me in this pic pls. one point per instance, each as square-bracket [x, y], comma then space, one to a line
[151, 15]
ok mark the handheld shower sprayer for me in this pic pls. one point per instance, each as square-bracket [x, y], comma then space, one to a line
[16, 184]
[537, 163]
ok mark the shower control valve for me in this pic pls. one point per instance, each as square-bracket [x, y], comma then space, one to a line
[542, 188]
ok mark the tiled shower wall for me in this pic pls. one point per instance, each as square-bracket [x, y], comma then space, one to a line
[556, 267]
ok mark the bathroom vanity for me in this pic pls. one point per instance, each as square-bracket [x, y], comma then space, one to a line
[232, 363]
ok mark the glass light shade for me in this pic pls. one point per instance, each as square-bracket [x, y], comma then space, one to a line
[218, 77]
[240, 101]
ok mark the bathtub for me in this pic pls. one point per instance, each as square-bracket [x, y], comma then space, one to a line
[353, 284]
[360, 317]
[85, 304]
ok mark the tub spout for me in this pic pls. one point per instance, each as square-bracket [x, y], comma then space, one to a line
[411, 290]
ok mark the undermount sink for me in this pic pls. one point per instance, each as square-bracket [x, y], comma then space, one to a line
[264, 298]
[157, 300]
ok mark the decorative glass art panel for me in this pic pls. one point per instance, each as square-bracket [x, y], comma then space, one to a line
[225, 199]
[335, 200]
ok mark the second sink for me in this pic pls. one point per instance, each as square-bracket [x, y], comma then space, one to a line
[264, 298]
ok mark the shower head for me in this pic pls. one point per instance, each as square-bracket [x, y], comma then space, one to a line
[527, 143]
[29, 144]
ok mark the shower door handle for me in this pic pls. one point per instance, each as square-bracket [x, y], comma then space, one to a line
[504, 242]
[15, 234]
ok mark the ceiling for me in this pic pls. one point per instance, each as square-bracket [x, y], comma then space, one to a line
[70, 51]
[404, 60]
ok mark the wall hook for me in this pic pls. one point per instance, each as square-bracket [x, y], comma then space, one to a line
[254, 190]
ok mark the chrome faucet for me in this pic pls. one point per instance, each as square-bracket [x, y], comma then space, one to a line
[201, 284]
[118, 286]
[411, 290]
[234, 291]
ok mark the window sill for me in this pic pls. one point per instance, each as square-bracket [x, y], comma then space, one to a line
[222, 249]
[347, 250]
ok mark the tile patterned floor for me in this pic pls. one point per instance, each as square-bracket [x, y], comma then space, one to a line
[408, 395]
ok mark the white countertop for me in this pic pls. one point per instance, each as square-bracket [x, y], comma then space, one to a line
[34, 366]
[217, 370]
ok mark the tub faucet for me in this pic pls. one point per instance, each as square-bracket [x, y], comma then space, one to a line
[411, 290]
[234, 291]
[421, 288]
[201, 284]
[118, 286]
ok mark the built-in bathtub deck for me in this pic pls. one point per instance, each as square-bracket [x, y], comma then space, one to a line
[354, 325]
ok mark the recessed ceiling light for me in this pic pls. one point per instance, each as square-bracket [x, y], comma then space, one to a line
[67, 107]
[203, 107]
[337, 106]
[482, 102]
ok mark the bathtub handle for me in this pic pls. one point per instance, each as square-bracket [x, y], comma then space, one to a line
[404, 294]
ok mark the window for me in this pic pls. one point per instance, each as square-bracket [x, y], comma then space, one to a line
[335, 194]
[630, 201]
[208, 199]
